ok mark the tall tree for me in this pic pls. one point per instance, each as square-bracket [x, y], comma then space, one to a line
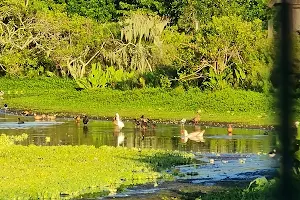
[139, 37]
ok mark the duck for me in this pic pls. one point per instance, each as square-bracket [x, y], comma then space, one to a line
[229, 129]
[85, 120]
[196, 136]
[182, 122]
[77, 119]
[37, 117]
[137, 123]
[20, 121]
[118, 122]
[272, 153]
[25, 112]
[196, 119]
[143, 119]
[5, 107]
[115, 121]
[144, 125]
[144, 122]
[51, 117]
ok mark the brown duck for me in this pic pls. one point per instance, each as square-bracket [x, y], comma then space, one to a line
[229, 129]
[196, 119]
[77, 119]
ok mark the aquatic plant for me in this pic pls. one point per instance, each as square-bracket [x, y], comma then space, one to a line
[6, 140]
[35, 172]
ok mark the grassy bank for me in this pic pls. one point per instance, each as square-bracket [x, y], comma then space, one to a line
[51, 95]
[35, 172]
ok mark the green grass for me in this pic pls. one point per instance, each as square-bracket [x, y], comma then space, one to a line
[53, 95]
[35, 172]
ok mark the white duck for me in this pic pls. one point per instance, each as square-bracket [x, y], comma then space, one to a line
[118, 122]
[196, 136]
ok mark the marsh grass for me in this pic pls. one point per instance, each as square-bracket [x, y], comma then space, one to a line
[35, 172]
[53, 95]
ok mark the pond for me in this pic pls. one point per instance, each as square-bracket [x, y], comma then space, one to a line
[242, 156]
[168, 137]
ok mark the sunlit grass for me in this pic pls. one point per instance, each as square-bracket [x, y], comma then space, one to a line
[47, 172]
[60, 96]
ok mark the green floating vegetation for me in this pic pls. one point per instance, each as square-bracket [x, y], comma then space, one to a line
[36, 172]
[60, 96]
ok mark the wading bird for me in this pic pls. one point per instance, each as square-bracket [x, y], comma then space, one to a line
[118, 122]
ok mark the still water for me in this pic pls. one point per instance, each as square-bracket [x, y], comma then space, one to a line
[168, 137]
[240, 157]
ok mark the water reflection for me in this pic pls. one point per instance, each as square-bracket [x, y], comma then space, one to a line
[196, 135]
[171, 137]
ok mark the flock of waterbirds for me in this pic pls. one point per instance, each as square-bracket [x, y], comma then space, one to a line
[142, 123]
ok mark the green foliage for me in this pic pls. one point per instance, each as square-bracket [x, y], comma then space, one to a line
[140, 35]
[259, 189]
[259, 184]
[63, 38]
[151, 5]
[101, 10]
[234, 53]
[165, 82]
[45, 33]
[248, 9]
[99, 78]
[34, 172]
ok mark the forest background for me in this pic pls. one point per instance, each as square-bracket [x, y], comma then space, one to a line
[187, 45]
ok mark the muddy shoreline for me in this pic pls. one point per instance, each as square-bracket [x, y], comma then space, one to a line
[13, 111]
[175, 190]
